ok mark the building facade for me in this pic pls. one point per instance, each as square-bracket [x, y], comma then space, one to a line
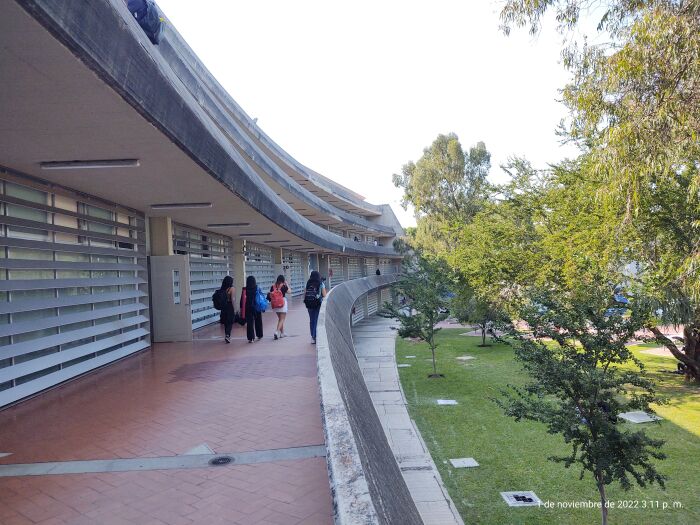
[131, 183]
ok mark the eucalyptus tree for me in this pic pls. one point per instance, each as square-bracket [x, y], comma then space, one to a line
[634, 102]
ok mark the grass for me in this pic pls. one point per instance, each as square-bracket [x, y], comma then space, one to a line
[512, 456]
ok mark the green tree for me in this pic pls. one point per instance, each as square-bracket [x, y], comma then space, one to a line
[446, 187]
[469, 307]
[581, 380]
[425, 283]
[634, 102]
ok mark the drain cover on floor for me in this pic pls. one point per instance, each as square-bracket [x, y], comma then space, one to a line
[464, 462]
[522, 498]
[221, 460]
[446, 402]
[639, 417]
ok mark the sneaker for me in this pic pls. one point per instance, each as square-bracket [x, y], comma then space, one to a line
[275, 336]
[250, 340]
[227, 339]
[259, 338]
[282, 334]
[313, 341]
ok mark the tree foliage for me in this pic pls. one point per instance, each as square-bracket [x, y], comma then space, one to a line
[581, 380]
[634, 102]
[445, 186]
[425, 284]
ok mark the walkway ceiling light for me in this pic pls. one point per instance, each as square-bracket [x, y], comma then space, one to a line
[89, 164]
[180, 205]
[228, 224]
[253, 234]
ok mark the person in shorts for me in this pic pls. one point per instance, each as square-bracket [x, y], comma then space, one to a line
[278, 292]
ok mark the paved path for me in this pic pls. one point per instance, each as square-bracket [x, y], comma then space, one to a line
[374, 345]
[258, 402]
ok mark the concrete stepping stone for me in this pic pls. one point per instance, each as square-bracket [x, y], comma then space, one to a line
[639, 416]
[447, 402]
[465, 358]
[403, 365]
[521, 498]
[464, 462]
[410, 356]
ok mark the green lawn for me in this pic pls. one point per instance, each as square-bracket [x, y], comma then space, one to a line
[512, 456]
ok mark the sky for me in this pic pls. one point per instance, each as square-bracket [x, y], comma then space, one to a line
[354, 90]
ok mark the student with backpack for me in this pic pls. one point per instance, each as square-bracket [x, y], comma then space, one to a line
[223, 300]
[278, 301]
[313, 296]
[252, 308]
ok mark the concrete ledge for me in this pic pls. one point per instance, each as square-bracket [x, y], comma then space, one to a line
[366, 481]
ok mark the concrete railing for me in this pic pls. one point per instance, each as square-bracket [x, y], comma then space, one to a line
[366, 482]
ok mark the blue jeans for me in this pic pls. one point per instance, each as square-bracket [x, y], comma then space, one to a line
[313, 320]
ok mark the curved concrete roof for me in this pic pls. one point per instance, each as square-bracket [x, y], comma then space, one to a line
[210, 96]
[322, 182]
[109, 42]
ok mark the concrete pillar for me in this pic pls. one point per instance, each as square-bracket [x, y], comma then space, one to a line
[238, 264]
[324, 265]
[161, 235]
[279, 264]
[346, 268]
[313, 263]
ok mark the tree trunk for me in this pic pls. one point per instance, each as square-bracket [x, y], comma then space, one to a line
[603, 499]
[432, 349]
[483, 334]
[690, 354]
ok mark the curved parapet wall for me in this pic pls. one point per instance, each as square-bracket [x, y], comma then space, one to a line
[367, 485]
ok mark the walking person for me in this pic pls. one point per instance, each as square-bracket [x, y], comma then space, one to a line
[313, 296]
[278, 300]
[253, 318]
[228, 312]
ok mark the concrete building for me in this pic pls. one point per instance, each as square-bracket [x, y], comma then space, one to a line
[131, 183]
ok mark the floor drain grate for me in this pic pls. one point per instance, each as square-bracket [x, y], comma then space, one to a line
[221, 460]
[521, 499]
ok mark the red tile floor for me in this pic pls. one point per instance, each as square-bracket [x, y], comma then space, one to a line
[163, 402]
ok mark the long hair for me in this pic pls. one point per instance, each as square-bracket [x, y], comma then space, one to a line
[227, 282]
[250, 283]
[314, 278]
[280, 279]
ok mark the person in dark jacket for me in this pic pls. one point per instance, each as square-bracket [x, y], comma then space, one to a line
[228, 313]
[253, 319]
[317, 286]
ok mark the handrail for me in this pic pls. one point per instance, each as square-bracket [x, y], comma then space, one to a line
[366, 481]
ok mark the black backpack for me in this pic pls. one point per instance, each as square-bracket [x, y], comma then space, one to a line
[220, 298]
[147, 15]
[312, 296]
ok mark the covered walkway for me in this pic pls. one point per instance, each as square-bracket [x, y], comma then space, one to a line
[199, 398]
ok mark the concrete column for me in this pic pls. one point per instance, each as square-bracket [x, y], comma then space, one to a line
[279, 264]
[238, 264]
[324, 265]
[313, 263]
[161, 235]
[346, 268]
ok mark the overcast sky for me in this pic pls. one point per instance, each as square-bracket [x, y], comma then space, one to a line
[354, 90]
